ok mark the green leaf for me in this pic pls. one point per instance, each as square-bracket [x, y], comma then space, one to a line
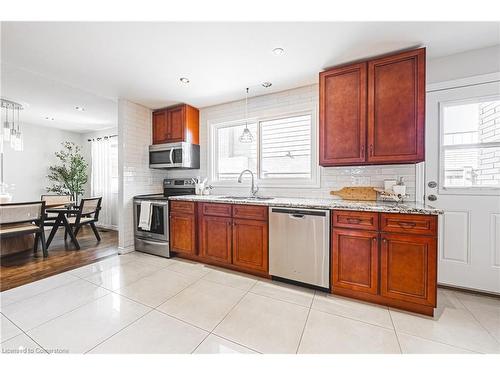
[70, 175]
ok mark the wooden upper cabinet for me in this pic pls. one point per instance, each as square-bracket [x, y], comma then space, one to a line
[216, 238]
[250, 244]
[396, 108]
[408, 268]
[159, 127]
[342, 107]
[176, 124]
[373, 112]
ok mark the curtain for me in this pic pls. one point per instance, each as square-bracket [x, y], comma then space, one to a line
[104, 178]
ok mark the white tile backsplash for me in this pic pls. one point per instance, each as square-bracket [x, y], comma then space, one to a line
[331, 178]
[134, 131]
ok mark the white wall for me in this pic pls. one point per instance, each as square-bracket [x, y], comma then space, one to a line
[332, 178]
[28, 170]
[134, 137]
[465, 64]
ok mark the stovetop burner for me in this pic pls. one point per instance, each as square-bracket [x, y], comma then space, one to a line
[171, 187]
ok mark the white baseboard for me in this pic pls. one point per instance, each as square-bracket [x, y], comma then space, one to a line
[106, 226]
[125, 250]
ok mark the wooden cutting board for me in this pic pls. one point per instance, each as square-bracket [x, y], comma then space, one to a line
[357, 193]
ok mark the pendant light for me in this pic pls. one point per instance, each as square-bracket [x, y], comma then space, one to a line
[19, 136]
[6, 124]
[246, 136]
[13, 132]
[11, 127]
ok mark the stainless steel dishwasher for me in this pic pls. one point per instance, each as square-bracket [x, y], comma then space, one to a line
[299, 245]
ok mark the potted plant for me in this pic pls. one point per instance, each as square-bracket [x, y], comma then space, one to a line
[70, 175]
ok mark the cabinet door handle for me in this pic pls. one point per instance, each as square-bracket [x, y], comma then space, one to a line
[353, 220]
[384, 240]
[406, 224]
[371, 150]
[362, 153]
[374, 239]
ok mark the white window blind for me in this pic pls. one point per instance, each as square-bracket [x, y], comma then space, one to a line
[286, 147]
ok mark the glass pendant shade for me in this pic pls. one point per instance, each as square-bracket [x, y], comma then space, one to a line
[10, 131]
[19, 145]
[246, 136]
[6, 131]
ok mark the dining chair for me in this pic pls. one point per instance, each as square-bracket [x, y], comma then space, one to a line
[52, 201]
[19, 219]
[88, 214]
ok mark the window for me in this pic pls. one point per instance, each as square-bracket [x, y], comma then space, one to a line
[471, 144]
[281, 152]
[286, 147]
[232, 155]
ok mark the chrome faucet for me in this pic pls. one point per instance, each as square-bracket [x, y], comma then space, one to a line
[254, 189]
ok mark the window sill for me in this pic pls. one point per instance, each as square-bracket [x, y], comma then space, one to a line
[284, 185]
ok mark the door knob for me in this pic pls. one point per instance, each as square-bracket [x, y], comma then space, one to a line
[432, 184]
[432, 197]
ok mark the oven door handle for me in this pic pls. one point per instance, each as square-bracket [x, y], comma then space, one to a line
[150, 242]
[171, 156]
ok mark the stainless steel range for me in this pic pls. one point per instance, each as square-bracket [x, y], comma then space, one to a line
[153, 237]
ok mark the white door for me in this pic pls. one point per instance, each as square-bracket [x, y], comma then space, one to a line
[462, 176]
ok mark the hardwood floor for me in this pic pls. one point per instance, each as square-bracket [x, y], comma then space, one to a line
[25, 267]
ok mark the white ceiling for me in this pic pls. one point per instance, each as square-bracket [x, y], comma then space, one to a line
[143, 62]
[44, 97]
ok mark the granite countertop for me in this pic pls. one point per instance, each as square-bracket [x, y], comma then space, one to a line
[320, 203]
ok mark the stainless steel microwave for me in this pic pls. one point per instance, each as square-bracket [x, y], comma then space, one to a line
[174, 155]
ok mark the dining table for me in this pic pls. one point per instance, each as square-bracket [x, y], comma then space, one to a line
[61, 220]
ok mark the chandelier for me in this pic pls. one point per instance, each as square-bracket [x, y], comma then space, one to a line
[11, 130]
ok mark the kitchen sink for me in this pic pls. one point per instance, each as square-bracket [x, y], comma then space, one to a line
[248, 198]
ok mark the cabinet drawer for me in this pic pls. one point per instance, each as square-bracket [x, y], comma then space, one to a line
[409, 223]
[250, 212]
[216, 209]
[182, 206]
[355, 220]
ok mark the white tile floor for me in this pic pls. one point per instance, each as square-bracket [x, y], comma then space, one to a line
[137, 303]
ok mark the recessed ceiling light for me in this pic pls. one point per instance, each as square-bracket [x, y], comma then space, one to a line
[78, 108]
[266, 84]
[278, 51]
[49, 118]
[184, 80]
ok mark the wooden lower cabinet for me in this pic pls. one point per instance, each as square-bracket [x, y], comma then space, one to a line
[183, 233]
[408, 268]
[250, 244]
[355, 260]
[231, 235]
[216, 238]
[396, 266]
